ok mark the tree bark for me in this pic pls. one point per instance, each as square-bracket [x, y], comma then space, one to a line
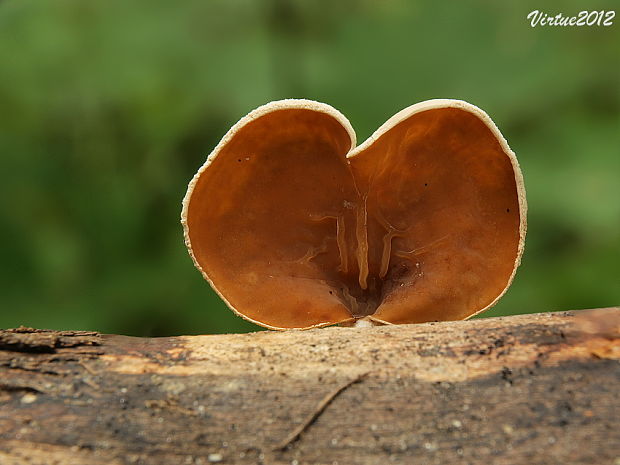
[529, 389]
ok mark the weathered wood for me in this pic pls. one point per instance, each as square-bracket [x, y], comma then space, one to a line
[530, 389]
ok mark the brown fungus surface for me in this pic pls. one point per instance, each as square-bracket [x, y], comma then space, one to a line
[295, 227]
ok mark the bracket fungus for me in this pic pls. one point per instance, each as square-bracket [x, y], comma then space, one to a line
[296, 227]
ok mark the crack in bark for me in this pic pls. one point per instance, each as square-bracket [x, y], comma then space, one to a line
[316, 413]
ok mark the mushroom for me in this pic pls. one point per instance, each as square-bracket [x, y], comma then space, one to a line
[296, 227]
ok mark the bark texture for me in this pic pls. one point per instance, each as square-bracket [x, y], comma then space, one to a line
[525, 389]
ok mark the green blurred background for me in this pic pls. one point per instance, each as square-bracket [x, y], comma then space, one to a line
[107, 108]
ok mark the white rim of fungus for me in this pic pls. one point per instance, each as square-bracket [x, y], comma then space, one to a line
[304, 104]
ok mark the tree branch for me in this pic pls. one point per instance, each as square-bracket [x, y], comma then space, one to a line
[524, 389]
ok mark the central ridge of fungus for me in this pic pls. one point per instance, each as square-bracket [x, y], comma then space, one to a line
[360, 289]
[295, 227]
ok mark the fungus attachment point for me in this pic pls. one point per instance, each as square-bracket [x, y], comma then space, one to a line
[295, 227]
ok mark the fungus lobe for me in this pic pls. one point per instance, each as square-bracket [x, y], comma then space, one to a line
[296, 227]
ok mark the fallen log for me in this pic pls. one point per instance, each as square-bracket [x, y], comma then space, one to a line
[528, 389]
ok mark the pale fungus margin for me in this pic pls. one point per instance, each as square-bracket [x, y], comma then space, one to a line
[296, 227]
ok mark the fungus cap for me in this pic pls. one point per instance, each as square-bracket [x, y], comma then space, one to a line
[296, 227]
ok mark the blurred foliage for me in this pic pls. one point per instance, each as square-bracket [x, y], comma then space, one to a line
[107, 108]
